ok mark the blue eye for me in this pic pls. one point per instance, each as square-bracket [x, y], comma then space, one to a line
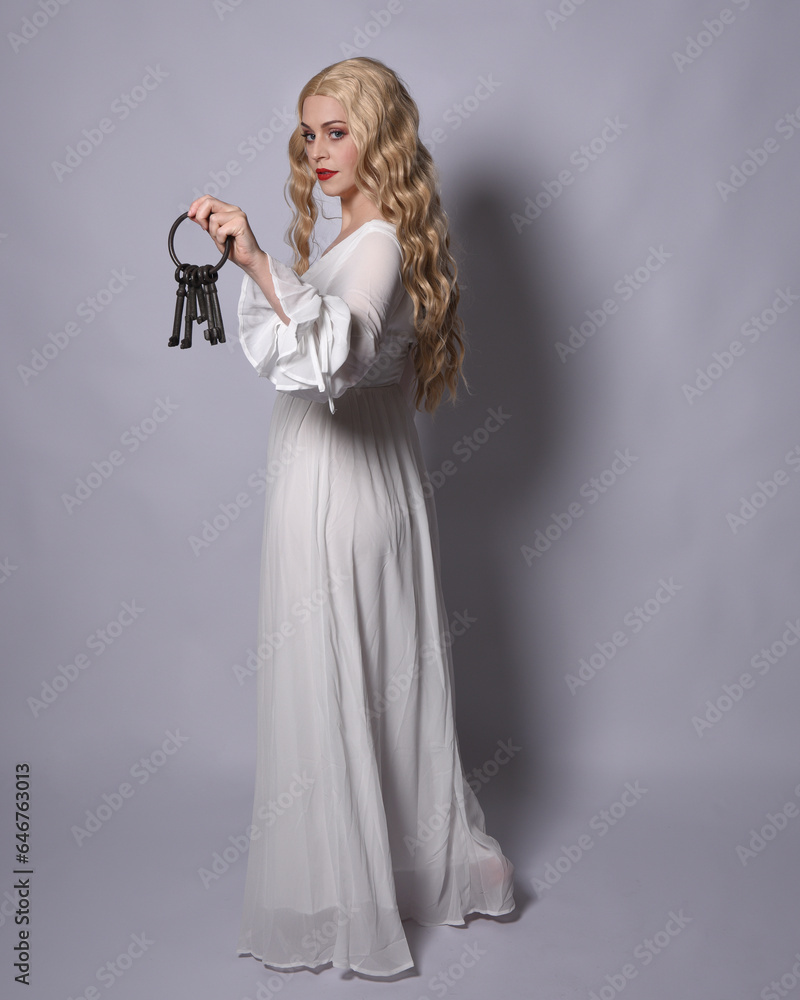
[336, 134]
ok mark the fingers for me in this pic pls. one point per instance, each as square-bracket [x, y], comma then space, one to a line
[221, 221]
[205, 206]
[201, 208]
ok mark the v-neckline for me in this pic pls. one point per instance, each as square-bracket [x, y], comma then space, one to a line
[335, 246]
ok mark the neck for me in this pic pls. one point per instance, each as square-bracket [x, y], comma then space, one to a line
[356, 210]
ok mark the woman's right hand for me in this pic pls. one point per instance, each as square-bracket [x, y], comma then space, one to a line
[222, 220]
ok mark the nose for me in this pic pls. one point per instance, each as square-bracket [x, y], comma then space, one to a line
[315, 151]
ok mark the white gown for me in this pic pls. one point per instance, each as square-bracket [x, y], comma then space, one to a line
[362, 814]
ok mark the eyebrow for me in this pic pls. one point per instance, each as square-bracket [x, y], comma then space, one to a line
[337, 121]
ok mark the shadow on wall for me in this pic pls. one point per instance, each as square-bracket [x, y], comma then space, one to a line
[485, 457]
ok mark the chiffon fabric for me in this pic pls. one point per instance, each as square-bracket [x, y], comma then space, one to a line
[362, 816]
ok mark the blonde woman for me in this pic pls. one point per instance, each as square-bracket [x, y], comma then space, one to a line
[362, 815]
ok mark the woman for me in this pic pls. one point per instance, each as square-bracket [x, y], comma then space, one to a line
[362, 815]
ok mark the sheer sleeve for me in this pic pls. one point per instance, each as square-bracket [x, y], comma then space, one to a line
[331, 340]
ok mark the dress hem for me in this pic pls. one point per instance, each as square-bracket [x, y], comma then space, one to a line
[322, 965]
[379, 975]
[462, 922]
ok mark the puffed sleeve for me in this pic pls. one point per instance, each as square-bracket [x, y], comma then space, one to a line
[331, 340]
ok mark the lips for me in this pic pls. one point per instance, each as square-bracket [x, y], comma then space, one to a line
[325, 174]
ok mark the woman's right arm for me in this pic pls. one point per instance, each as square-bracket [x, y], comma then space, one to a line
[332, 339]
[221, 220]
[260, 273]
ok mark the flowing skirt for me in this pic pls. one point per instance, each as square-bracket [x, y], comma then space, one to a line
[362, 815]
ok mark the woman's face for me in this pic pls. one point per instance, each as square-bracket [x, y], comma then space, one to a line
[329, 145]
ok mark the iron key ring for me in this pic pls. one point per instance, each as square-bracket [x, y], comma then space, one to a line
[197, 293]
[172, 232]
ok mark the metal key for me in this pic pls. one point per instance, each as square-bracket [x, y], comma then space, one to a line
[205, 288]
[196, 296]
[191, 305]
[201, 309]
[218, 327]
[180, 301]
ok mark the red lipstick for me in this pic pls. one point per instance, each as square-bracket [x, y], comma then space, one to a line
[325, 174]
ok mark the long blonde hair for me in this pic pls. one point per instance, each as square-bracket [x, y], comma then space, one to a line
[397, 172]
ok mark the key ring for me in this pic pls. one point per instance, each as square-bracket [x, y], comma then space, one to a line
[197, 290]
[172, 232]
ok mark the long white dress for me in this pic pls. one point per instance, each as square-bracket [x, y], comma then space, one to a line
[362, 815]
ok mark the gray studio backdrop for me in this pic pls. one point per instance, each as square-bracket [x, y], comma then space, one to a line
[617, 496]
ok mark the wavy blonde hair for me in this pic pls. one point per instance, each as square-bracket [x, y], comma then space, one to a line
[396, 171]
